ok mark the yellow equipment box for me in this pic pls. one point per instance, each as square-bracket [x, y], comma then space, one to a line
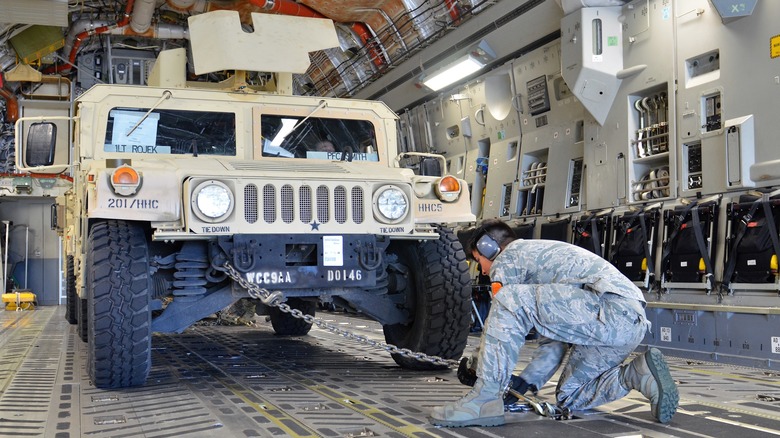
[19, 300]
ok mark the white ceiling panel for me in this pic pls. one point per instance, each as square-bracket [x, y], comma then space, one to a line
[45, 12]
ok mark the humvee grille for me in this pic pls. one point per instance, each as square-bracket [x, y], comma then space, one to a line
[288, 209]
[305, 195]
[357, 199]
[250, 203]
[298, 204]
[323, 201]
[269, 203]
[340, 204]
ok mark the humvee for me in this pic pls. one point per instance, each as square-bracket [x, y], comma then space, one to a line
[299, 194]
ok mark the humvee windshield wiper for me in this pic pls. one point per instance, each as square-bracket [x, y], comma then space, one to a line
[166, 95]
[322, 105]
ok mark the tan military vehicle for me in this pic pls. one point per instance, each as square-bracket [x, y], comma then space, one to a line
[303, 195]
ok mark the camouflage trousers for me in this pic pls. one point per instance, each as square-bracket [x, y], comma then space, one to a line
[598, 333]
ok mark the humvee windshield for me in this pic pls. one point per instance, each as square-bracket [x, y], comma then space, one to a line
[170, 132]
[318, 138]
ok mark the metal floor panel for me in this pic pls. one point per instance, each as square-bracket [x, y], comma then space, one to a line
[230, 381]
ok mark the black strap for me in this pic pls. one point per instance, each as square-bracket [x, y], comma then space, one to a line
[703, 250]
[648, 252]
[680, 220]
[616, 246]
[578, 227]
[594, 232]
[743, 226]
[771, 222]
[640, 215]
[594, 235]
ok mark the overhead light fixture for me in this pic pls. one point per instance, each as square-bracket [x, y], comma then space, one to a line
[462, 67]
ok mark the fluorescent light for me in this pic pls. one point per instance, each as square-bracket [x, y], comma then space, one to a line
[461, 68]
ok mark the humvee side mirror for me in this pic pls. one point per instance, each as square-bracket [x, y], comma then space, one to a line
[41, 141]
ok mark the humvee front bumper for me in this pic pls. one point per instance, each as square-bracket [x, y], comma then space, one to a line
[302, 261]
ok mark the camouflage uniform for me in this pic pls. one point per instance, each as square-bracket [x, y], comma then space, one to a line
[579, 303]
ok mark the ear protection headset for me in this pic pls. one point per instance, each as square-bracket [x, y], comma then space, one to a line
[488, 247]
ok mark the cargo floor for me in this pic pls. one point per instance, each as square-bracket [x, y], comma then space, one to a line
[240, 381]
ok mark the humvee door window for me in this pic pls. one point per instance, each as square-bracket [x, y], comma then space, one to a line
[193, 133]
[318, 138]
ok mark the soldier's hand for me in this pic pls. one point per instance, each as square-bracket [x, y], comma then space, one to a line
[466, 374]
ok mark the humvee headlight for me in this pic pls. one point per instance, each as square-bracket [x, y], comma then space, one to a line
[447, 188]
[212, 201]
[391, 203]
[125, 180]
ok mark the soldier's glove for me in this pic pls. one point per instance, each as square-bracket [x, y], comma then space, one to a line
[520, 385]
[466, 374]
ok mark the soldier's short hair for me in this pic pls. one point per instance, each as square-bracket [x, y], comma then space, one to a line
[497, 229]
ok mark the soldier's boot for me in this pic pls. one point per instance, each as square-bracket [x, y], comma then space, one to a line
[482, 406]
[649, 374]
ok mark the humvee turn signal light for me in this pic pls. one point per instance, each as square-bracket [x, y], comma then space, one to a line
[448, 189]
[125, 180]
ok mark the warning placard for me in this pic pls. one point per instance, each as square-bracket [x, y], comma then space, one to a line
[666, 334]
[774, 46]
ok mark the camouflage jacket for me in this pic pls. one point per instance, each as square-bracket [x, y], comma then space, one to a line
[548, 262]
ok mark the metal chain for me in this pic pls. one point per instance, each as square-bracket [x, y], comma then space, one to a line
[273, 299]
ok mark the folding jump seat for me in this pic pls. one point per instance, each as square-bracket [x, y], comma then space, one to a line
[555, 230]
[524, 231]
[752, 245]
[633, 245]
[690, 233]
[592, 232]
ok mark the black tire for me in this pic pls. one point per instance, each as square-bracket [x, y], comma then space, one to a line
[71, 299]
[82, 310]
[438, 294]
[287, 325]
[118, 285]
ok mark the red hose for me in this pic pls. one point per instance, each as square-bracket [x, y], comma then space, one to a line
[453, 9]
[287, 7]
[365, 36]
[87, 33]
[11, 105]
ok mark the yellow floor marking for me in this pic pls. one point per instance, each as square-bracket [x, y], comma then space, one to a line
[371, 412]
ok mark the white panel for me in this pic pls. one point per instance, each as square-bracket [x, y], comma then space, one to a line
[740, 151]
[498, 95]
[45, 12]
[279, 43]
[592, 56]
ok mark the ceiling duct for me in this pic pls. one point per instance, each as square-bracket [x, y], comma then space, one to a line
[143, 10]
[424, 16]
[351, 68]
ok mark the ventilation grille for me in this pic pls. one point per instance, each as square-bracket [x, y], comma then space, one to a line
[305, 204]
[250, 203]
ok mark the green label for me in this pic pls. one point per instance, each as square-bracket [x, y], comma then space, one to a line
[612, 41]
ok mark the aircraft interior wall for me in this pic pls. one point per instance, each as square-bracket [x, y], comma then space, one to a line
[688, 143]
